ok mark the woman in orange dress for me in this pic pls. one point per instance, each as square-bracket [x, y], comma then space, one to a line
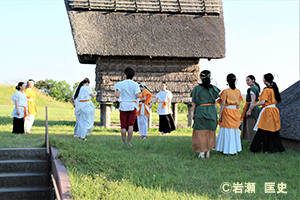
[268, 122]
[143, 114]
[228, 140]
[31, 97]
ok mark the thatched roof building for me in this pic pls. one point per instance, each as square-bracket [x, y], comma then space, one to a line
[157, 28]
[162, 40]
[289, 112]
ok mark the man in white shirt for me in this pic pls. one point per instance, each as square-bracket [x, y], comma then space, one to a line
[128, 93]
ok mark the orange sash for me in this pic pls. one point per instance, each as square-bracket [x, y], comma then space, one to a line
[25, 112]
[164, 104]
[84, 100]
[245, 110]
[206, 104]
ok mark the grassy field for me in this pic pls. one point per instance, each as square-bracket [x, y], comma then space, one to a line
[160, 167]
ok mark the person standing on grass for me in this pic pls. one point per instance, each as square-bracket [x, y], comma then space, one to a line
[204, 113]
[128, 93]
[73, 103]
[32, 111]
[21, 108]
[268, 122]
[143, 114]
[251, 98]
[229, 140]
[84, 109]
[166, 122]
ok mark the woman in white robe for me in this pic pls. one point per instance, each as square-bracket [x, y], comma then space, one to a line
[20, 111]
[166, 122]
[84, 110]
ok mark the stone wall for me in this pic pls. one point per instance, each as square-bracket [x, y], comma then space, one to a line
[181, 75]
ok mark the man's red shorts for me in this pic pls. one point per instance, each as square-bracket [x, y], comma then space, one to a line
[127, 118]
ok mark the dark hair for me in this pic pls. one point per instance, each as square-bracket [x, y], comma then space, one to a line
[164, 82]
[205, 77]
[231, 78]
[255, 83]
[86, 80]
[129, 72]
[27, 85]
[269, 78]
[18, 87]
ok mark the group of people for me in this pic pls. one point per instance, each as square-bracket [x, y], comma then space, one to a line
[134, 107]
[25, 109]
[261, 128]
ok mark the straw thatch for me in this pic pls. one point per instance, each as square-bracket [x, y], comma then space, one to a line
[181, 75]
[289, 112]
[110, 33]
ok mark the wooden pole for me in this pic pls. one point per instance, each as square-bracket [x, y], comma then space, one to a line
[190, 120]
[175, 112]
[101, 114]
[105, 115]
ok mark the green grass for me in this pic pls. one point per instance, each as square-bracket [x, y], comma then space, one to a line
[160, 167]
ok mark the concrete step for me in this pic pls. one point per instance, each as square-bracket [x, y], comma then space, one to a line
[23, 153]
[22, 179]
[25, 193]
[21, 166]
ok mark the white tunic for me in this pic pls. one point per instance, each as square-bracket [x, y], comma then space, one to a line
[164, 96]
[22, 101]
[84, 112]
[128, 89]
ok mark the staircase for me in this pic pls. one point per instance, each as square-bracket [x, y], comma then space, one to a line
[24, 174]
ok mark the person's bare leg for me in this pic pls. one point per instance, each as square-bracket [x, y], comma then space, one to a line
[123, 132]
[207, 154]
[130, 132]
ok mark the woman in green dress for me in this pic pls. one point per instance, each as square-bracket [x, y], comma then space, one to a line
[204, 111]
[249, 120]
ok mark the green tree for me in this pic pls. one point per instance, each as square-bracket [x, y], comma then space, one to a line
[60, 90]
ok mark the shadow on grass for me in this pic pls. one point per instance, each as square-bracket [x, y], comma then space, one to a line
[5, 120]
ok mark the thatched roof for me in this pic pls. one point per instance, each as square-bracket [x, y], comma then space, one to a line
[289, 112]
[196, 32]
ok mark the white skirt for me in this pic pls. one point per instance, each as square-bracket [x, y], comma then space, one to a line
[85, 115]
[228, 141]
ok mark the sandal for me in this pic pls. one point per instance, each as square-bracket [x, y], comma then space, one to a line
[201, 155]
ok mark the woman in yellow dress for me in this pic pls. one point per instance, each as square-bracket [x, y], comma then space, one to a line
[32, 111]
[228, 140]
[268, 122]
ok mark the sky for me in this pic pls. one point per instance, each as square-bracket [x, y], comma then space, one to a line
[262, 36]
